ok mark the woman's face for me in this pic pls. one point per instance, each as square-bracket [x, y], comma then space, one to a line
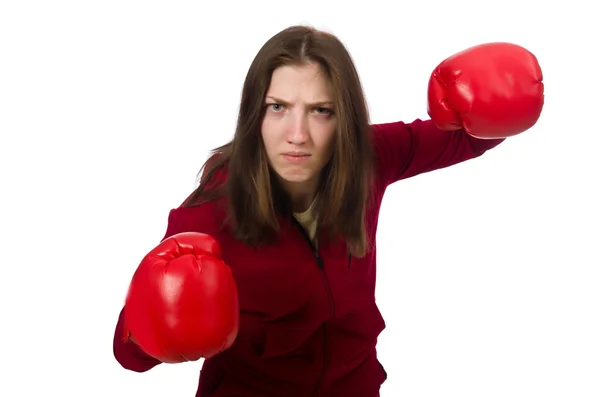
[298, 128]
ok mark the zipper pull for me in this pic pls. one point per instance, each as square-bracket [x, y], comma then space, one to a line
[319, 259]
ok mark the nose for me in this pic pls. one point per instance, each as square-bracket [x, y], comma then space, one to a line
[298, 130]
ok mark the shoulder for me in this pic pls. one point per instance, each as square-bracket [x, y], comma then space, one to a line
[208, 217]
[212, 182]
[394, 140]
[384, 133]
[391, 143]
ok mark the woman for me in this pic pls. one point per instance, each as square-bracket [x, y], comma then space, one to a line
[293, 202]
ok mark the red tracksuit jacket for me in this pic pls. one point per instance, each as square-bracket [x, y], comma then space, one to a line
[308, 319]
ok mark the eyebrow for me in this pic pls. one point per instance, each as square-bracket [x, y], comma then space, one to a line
[284, 102]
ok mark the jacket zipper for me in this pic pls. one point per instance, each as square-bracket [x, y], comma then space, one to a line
[321, 266]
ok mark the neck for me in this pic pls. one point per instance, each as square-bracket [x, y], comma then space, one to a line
[302, 203]
[301, 195]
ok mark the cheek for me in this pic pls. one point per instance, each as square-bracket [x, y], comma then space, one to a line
[324, 140]
[267, 134]
[269, 137]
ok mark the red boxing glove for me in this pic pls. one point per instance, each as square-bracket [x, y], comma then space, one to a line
[182, 302]
[492, 90]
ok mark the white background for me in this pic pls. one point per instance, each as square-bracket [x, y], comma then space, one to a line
[488, 271]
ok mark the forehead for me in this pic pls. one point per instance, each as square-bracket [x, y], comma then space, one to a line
[300, 83]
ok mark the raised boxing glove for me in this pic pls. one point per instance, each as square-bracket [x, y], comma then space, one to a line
[492, 90]
[182, 302]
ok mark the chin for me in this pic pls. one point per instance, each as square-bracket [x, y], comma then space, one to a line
[295, 177]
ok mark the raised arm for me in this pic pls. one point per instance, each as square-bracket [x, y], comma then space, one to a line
[476, 99]
[404, 150]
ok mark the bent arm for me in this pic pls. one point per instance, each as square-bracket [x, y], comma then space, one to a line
[407, 149]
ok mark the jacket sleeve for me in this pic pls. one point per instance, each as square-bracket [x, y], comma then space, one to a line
[404, 150]
[126, 352]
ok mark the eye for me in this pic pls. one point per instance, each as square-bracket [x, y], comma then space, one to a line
[324, 111]
[275, 107]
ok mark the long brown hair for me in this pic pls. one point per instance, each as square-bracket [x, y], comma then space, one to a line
[254, 198]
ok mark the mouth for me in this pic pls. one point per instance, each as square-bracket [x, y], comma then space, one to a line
[296, 157]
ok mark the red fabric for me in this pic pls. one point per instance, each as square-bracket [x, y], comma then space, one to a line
[305, 329]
